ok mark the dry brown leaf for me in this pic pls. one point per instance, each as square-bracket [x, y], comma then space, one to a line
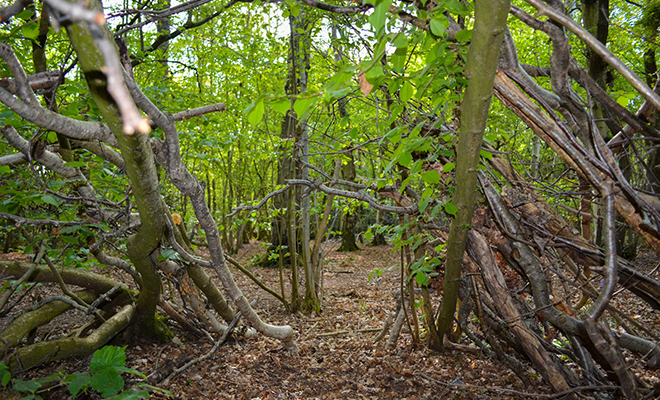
[364, 85]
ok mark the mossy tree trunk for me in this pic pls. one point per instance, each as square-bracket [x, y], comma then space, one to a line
[487, 37]
[140, 168]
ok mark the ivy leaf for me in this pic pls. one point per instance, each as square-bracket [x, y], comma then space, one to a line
[448, 167]
[450, 208]
[431, 176]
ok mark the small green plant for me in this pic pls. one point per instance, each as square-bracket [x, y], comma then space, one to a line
[103, 376]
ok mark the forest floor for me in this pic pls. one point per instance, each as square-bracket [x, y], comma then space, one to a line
[337, 356]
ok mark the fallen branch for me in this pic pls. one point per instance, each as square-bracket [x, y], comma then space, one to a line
[215, 347]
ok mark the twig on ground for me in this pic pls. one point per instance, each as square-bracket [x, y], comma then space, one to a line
[215, 347]
[517, 392]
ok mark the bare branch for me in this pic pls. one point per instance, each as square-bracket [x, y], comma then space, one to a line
[599, 49]
[337, 9]
[46, 119]
[196, 112]
[38, 81]
[77, 12]
[360, 195]
[39, 222]
[7, 12]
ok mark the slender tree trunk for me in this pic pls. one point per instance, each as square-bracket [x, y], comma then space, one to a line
[140, 168]
[487, 37]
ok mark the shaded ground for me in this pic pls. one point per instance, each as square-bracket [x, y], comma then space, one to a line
[338, 358]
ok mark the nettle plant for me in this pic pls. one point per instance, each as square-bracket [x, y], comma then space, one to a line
[104, 376]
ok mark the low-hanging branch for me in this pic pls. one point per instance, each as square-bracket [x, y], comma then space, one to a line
[360, 195]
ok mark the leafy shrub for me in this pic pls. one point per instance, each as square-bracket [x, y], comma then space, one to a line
[103, 376]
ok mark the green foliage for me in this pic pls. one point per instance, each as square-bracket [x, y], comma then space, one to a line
[104, 377]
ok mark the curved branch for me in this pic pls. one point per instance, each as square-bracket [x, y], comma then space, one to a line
[599, 49]
[46, 119]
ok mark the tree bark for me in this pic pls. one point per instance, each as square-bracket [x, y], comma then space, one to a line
[487, 37]
[140, 168]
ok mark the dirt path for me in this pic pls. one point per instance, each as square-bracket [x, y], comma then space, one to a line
[337, 359]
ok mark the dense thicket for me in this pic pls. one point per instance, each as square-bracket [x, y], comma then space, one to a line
[134, 134]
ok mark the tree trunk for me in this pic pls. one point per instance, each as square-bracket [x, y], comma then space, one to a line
[140, 168]
[489, 29]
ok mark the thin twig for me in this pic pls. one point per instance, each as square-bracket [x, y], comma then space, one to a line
[517, 392]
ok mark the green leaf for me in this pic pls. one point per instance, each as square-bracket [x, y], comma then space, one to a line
[31, 31]
[108, 382]
[25, 15]
[450, 208]
[486, 154]
[405, 158]
[420, 278]
[112, 357]
[302, 105]
[4, 169]
[431, 176]
[438, 25]
[400, 41]
[424, 203]
[456, 7]
[70, 239]
[407, 91]
[399, 60]
[448, 167]
[166, 254]
[281, 105]
[464, 36]
[375, 72]
[378, 17]
[25, 386]
[81, 381]
[52, 200]
[255, 111]
[5, 375]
